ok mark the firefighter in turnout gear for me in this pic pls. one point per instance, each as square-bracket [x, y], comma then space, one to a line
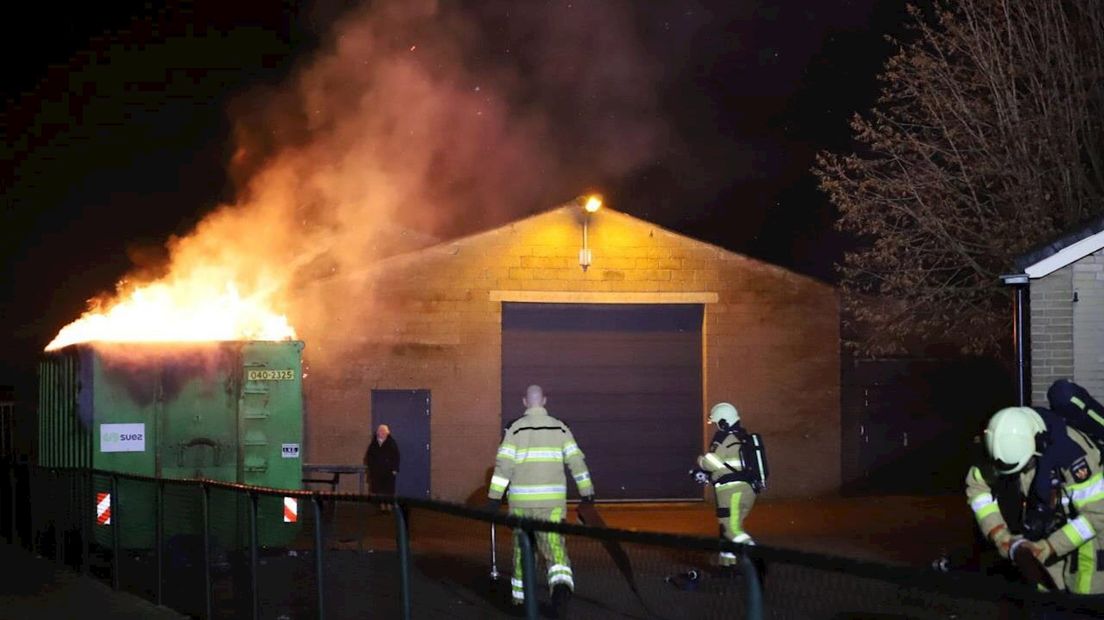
[735, 482]
[530, 462]
[1042, 488]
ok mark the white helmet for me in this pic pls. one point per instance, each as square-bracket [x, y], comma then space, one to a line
[724, 415]
[1010, 437]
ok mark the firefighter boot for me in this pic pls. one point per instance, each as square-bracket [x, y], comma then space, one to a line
[561, 596]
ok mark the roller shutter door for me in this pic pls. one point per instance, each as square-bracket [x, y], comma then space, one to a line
[627, 378]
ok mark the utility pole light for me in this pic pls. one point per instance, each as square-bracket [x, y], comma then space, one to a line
[591, 204]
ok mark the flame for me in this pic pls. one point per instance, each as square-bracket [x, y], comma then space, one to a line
[167, 311]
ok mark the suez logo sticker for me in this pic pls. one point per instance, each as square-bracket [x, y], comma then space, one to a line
[132, 438]
[122, 438]
[265, 374]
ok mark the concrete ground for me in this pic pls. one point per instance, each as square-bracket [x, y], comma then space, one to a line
[451, 565]
[33, 587]
[892, 529]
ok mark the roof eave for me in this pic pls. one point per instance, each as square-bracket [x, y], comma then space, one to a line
[1065, 256]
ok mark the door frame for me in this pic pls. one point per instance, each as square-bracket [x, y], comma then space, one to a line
[429, 430]
[595, 298]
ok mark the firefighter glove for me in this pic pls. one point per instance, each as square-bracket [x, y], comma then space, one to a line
[492, 505]
[588, 499]
[1003, 540]
[1041, 549]
[700, 476]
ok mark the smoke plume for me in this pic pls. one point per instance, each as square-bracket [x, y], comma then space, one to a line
[415, 120]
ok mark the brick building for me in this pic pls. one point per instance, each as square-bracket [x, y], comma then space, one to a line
[1064, 312]
[441, 342]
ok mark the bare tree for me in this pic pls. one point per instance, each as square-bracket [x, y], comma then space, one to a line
[986, 140]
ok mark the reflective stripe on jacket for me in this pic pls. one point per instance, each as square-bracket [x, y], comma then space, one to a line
[530, 462]
[1079, 544]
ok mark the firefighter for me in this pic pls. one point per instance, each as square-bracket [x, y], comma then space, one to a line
[735, 482]
[530, 461]
[1042, 488]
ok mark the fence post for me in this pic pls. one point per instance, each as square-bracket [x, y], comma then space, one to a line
[255, 605]
[160, 542]
[71, 522]
[206, 548]
[29, 540]
[86, 506]
[402, 541]
[317, 501]
[65, 510]
[529, 572]
[755, 590]
[16, 533]
[32, 512]
[55, 482]
[115, 543]
[11, 500]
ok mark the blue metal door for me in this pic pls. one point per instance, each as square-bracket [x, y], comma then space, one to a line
[406, 413]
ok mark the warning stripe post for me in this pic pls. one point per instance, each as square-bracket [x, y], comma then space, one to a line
[103, 508]
[291, 510]
[115, 534]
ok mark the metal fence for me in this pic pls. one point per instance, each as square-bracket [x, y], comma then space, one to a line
[214, 550]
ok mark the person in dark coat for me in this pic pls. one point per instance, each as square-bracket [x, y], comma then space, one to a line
[382, 461]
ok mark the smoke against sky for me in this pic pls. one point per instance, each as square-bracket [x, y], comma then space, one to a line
[416, 114]
[118, 132]
[403, 120]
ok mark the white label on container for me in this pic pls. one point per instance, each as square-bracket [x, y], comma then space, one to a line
[265, 374]
[289, 450]
[122, 438]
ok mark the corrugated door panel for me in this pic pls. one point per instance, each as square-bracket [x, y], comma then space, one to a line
[62, 440]
[65, 444]
[51, 436]
[271, 414]
[82, 411]
[69, 445]
[76, 433]
[626, 378]
[43, 413]
[51, 418]
[270, 419]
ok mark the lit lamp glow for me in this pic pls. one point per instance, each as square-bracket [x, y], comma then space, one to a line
[591, 205]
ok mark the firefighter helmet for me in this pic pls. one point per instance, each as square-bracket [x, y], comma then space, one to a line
[724, 415]
[1011, 435]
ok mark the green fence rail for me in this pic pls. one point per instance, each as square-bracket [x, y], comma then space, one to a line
[207, 556]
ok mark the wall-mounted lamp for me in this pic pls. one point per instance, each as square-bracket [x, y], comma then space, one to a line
[591, 204]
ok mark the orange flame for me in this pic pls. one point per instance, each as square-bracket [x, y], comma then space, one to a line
[178, 312]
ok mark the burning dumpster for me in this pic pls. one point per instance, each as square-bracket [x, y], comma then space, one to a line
[230, 411]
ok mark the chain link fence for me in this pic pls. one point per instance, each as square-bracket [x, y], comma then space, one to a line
[218, 550]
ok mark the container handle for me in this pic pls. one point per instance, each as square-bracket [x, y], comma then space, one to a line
[201, 441]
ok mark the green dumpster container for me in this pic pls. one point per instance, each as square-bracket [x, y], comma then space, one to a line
[229, 411]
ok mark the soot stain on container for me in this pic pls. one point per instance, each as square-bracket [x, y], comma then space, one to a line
[150, 372]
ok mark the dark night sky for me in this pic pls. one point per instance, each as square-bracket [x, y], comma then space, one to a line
[117, 134]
